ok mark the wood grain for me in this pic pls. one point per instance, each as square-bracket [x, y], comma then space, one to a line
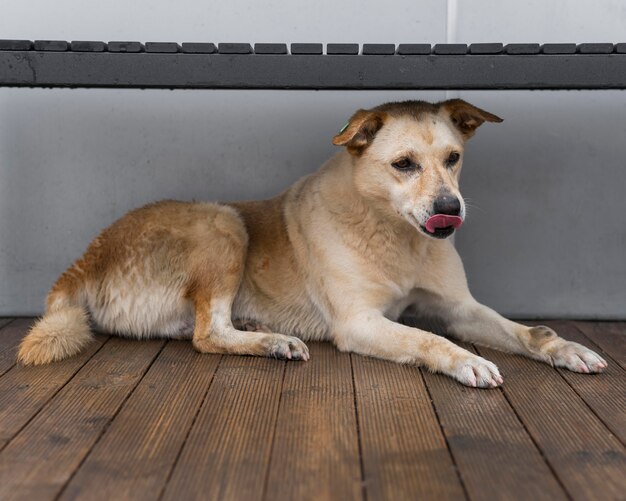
[588, 460]
[38, 462]
[609, 336]
[316, 452]
[124, 420]
[404, 453]
[10, 337]
[25, 390]
[604, 393]
[142, 444]
[484, 434]
[227, 453]
[4, 321]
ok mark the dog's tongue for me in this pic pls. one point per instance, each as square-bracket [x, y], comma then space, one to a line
[442, 221]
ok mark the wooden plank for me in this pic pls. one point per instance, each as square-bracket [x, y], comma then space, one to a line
[10, 337]
[316, 452]
[586, 457]
[25, 390]
[4, 321]
[404, 453]
[609, 336]
[227, 452]
[484, 434]
[604, 393]
[38, 462]
[133, 459]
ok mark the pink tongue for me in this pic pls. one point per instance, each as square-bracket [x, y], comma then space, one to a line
[442, 221]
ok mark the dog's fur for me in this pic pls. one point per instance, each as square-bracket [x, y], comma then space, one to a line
[338, 256]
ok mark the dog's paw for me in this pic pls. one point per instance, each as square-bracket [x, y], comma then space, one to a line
[478, 373]
[287, 347]
[575, 357]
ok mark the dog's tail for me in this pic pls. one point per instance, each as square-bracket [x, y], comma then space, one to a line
[64, 329]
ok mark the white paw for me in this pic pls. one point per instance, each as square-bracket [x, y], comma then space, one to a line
[478, 373]
[575, 357]
[288, 347]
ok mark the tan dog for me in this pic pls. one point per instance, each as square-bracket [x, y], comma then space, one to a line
[338, 256]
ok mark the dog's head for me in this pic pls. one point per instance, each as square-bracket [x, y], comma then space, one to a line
[407, 159]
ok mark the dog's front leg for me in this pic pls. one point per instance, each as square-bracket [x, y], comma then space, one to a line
[444, 296]
[466, 319]
[370, 333]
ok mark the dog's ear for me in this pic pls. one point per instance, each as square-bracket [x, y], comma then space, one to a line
[359, 132]
[467, 117]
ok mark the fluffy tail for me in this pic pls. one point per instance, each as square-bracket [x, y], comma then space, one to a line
[62, 332]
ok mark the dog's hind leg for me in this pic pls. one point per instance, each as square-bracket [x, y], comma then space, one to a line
[213, 292]
[215, 333]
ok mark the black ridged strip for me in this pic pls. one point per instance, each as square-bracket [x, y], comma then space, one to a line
[234, 48]
[414, 49]
[51, 45]
[198, 48]
[126, 65]
[162, 47]
[523, 48]
[559, 48]
[307, 48]
[82, 46]
[16, 45]
[595, 48]
[270, 48]
[117, 46]
[343, 49]
[486, 48]
[379, 49]
[448, 49]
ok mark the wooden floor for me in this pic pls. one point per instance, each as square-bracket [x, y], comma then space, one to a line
[152, 420]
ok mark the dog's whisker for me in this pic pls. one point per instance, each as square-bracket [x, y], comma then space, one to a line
[470, 205]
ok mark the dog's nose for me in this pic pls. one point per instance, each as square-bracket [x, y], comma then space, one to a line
[447, 204]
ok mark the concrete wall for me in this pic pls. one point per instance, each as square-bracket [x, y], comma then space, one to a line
[545, 236]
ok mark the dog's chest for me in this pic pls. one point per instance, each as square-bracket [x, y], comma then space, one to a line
[402, 277]
[385, 283]
[399, 269]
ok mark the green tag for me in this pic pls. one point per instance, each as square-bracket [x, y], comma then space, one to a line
[344, 127]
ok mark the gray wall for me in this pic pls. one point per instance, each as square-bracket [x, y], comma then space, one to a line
[545, 235]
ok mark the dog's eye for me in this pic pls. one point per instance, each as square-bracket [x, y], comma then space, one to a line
[405, 164]
[452, 159]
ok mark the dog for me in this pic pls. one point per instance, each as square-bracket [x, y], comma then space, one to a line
[338, 256]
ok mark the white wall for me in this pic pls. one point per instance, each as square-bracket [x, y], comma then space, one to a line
[546, 238]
